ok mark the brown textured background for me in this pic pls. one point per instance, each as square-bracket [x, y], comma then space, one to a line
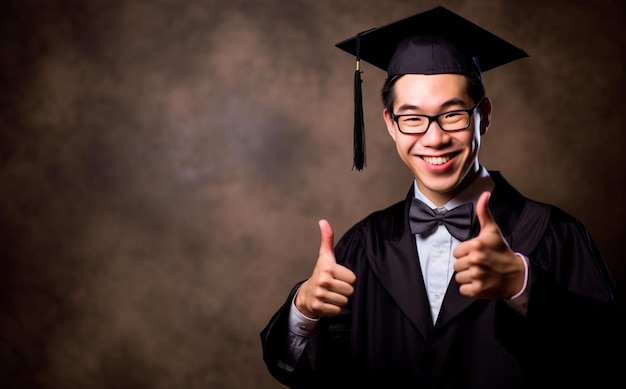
[163, 165]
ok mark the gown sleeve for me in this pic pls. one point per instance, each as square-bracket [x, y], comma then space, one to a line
[575, 324]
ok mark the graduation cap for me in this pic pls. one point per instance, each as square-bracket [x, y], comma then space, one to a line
[436, 41]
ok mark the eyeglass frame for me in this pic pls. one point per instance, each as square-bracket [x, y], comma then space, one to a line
[435, 118]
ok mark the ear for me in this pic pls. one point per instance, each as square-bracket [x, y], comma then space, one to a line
[391, 125]
[485, 115]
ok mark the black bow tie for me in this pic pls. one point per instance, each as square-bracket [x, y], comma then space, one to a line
[458, 220]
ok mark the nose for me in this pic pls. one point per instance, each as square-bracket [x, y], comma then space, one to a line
[434, 135]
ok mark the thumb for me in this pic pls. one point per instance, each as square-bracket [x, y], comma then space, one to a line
[327, 243]
[482, 211]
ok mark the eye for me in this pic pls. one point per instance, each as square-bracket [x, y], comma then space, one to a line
[454, 117]
[412, 120]
[453, 114]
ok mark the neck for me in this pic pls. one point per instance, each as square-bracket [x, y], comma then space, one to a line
[440, 199]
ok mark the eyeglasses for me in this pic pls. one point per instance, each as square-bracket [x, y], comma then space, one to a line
[448, 121]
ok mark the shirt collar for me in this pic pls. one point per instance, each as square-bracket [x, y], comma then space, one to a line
[482, 183]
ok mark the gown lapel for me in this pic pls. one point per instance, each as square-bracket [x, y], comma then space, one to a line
[396, 266]
[505, 205]
[403, 273]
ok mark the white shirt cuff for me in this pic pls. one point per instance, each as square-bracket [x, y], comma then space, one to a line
[300, 324]
[519, 301]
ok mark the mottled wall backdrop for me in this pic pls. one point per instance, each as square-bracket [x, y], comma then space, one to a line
[163, 165]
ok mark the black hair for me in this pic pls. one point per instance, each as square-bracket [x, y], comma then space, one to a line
[475, 86]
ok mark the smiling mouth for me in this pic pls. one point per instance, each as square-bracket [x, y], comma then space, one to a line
[436, 160]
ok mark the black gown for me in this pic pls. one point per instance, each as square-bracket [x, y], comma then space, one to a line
[573, 333]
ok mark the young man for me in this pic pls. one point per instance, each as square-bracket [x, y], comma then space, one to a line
[464, 284]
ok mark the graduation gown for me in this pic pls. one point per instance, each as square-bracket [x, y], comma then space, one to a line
[572, 333]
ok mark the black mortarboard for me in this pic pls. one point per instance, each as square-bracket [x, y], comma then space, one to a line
[436, 41]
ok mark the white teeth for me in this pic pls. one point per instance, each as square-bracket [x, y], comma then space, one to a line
[436, 160]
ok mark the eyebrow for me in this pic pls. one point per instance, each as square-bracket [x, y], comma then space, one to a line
[447, 104]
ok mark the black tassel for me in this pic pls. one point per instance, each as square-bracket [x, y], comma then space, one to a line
[359, 125]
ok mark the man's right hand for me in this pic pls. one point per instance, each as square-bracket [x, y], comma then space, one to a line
[330, 285]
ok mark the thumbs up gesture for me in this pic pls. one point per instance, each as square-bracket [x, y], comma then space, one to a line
[330, 285]
[486, 266]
